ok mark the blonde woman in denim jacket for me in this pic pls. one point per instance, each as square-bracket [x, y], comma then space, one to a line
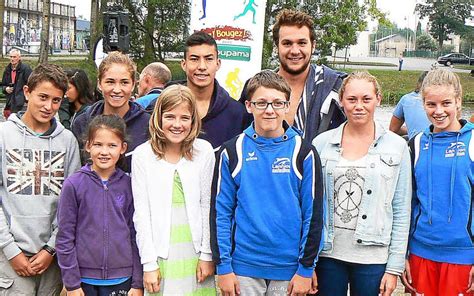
[367, 175]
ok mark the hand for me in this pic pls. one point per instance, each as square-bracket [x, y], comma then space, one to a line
[228, 284]
[41, 261]
[314, 284]
[470, 284]
[388, 284]
[135, 292]
[21, 265]
[406, 278]
[152, 281]
[77, 292]
[299, 286]
[9, 89]
[204, 269]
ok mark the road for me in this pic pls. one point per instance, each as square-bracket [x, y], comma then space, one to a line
[416, 64]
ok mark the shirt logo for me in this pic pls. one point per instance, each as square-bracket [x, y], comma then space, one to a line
[251, 156]
[120, 200]
[34, 171]
[455, 149]
[281, 165]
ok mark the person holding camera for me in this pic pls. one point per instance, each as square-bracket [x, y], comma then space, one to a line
[14, 78]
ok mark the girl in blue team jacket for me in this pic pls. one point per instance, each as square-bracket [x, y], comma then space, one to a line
[95, 244]
[441, 245]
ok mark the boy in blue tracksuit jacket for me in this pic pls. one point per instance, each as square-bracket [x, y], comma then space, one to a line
[266, 208]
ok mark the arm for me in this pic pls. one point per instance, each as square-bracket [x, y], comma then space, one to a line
[223, 203]
[71, 165]
[66, 237]
[205, 266]
[4, 82]
[206, 182]
[312, 210]
[141, 216]
[64, 115]
[137, 272]
[396, 126]
[398, 119]
[401, 217]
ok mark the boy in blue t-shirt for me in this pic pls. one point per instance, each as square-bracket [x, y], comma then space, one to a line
[266, 208]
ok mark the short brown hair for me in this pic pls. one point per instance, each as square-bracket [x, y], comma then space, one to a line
[289, 17]
[268, 79]
[116, 57]
[170, 98]
[50, 73]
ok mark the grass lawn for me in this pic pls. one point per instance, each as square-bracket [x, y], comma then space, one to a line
[394, 83]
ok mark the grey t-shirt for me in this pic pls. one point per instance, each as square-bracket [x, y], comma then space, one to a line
[349, 178]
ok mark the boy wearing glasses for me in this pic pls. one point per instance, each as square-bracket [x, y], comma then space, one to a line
[266, 207]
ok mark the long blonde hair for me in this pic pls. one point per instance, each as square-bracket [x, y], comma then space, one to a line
[170, 98]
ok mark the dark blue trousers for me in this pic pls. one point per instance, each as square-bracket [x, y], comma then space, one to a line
[334, 276]
[115, 290]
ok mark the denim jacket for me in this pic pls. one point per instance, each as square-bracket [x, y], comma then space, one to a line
[384, 217]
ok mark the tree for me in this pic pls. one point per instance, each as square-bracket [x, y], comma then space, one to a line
[337, 22]
[445, 17]
[426, 42]
[157, 26]
[2, 13]
[44, 47]
[93, 26]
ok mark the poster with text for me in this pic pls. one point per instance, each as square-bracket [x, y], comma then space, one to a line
[237, 26]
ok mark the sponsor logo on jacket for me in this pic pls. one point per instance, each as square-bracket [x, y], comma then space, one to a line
[281, 165]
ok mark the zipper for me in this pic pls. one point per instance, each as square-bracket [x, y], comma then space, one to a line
[105, 233]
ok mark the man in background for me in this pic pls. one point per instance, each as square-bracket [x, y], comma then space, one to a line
[14, 78]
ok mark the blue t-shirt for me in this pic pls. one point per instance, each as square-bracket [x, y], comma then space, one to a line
[410, 109]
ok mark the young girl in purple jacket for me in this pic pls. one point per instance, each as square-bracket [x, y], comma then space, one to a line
[96, 246]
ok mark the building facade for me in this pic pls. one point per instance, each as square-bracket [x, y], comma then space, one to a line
[23, 22]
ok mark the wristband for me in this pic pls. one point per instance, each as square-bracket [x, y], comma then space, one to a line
[50, 250]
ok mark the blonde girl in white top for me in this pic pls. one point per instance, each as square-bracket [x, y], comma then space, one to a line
[171, 182]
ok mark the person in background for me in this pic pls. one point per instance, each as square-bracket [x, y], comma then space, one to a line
[153, 79]
[14, 78]
[116, 81]
[400, 61]
[78, 97]
[222, 116]
[314, 105]
[409, 111]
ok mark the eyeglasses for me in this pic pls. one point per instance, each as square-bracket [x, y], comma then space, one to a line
[263, 105]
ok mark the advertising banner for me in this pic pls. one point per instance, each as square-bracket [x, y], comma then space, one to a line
[237, 27]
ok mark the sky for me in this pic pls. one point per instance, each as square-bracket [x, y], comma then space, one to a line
[399, 11]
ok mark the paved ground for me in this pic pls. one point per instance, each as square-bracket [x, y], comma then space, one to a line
[418, 64]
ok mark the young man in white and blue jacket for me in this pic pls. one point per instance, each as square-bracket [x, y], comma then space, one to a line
[266, 207]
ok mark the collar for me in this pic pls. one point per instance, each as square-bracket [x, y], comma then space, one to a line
[336, 139]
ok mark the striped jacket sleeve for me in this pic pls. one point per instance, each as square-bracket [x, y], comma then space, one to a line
[223, 203]
[311, 192]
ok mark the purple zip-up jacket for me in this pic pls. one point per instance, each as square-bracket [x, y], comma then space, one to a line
[96, 237]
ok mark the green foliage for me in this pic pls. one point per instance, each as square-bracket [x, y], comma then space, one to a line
[157, 26]
[445, 17]
[337, 22]
[425, 42]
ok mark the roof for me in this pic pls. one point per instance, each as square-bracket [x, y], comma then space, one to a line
[386, 38]
[83, 25]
